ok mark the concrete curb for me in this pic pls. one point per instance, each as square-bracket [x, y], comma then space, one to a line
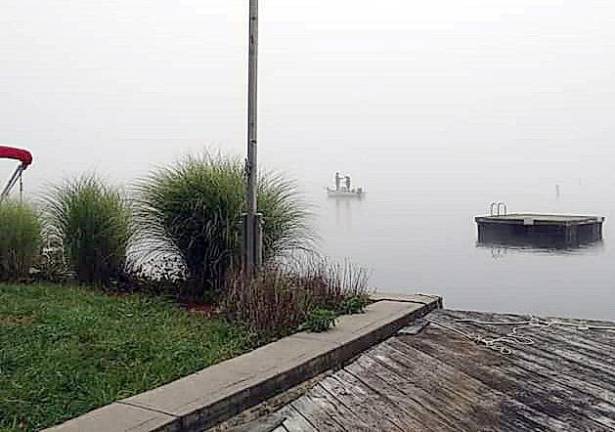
[215, 394]
[425, 299]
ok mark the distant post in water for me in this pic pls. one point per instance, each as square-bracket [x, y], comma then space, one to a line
[252, 223]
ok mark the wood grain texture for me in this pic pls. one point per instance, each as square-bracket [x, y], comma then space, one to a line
[441, 380]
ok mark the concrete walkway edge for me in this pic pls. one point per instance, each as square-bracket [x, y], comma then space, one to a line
[216, 393]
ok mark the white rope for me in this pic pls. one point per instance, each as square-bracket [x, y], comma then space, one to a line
[501, 344]
[538, 322]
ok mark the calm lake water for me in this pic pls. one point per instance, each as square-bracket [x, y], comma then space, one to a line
[423, 239]
[435, 108]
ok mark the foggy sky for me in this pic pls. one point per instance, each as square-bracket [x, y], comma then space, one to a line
[394, 85]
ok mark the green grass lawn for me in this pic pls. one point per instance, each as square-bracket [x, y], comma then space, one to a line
[66, 350]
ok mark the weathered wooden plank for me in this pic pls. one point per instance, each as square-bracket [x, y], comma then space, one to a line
[376, 411]
[470, 397]
[559, 325]
[406, 410]
[319, 412]
[342, 414]
[594, 340]
[590, 362]
[524, 365]
[473, 405]
[547, 343]
[294, 421]
[548, 357]
[400, 408]
[417, 404]
[541, 403]
[517, 317]
[499, 372]
[272, 423]
[577, 346]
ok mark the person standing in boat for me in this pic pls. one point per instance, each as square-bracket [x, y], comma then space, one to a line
[338, 181]
[347, 183]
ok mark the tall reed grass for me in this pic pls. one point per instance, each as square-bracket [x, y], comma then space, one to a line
[20, 238]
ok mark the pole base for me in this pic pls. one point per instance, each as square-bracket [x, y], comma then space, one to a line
[251, 242]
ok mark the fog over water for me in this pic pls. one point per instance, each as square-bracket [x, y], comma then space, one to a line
[436, 108]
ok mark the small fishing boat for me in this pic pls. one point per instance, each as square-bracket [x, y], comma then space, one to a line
[344, 191]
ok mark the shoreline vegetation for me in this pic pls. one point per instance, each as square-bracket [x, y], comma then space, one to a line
[106, 293]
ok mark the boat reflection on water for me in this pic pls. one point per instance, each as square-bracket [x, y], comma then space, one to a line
[344, 211]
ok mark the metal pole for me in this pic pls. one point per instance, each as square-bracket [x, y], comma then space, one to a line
[250, 223]
[21, 187]
[9, 186]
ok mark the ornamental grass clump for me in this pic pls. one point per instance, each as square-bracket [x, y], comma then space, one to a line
[192, 210]
[20, 239]
[92, 221]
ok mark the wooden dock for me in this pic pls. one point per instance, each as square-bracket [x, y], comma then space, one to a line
[448, 374]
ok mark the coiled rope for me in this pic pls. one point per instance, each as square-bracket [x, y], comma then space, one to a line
[502, 344]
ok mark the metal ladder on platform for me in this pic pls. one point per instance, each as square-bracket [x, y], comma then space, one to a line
[498, 208]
